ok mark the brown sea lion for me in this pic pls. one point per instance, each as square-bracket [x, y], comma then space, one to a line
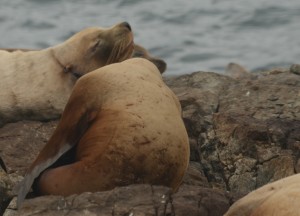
[122, 125]
[278, 198]
[36, 85]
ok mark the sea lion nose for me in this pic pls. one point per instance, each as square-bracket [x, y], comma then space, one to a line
[126, 24]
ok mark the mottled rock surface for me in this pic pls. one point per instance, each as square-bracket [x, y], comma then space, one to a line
[244, 132]
[6, 186]
[236, 71]
[131, 200]
[21, 142]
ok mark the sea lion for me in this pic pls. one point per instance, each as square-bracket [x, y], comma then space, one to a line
[122, 125]
[36, 85]
[277, 198]
[138, 51]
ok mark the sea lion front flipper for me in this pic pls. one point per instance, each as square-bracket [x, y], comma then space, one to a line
[75, 120]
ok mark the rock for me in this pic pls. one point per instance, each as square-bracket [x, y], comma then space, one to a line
[6, 186]
[131, 200]
[259, 122]
[21, 142]
[295, 68]
[19, 145]
[195, 175]
[269, 97]
[199, 96]
[191, 200]
[252, 137]
[246, 148]
[284, 165]
[236, 71]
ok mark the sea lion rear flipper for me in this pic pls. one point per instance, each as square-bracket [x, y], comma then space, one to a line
[24, 186]
[74, 122]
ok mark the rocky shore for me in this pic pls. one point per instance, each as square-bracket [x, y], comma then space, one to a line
[244, 131]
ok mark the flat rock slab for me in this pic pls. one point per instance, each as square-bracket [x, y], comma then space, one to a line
[21, 142]
[130, 201]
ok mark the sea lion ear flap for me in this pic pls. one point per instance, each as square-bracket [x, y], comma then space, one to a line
[160, 64]
[141, 52]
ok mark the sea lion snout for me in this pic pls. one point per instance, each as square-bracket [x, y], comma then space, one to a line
[126, 25]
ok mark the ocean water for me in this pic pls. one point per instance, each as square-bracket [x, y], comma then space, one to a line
[190, 35]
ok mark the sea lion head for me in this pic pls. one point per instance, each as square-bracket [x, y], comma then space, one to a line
[141, 52]
[95, 47]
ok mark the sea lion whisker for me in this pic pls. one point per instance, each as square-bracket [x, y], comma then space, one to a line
[115, 53]
[119, 52]
[122, 54]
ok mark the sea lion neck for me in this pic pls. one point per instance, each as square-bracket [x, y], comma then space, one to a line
[65, 67]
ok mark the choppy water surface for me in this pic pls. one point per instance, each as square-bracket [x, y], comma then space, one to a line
[190, 35]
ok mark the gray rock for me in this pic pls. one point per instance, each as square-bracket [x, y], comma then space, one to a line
[295, 68]
[236, 71]
[6, 186]
[275, 169]
[243, 129]
[199, 96]
[21, 142]
[131, 200]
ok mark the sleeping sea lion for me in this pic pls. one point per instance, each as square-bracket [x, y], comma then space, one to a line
[36, 85]
[122, 125]
[138, 51]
